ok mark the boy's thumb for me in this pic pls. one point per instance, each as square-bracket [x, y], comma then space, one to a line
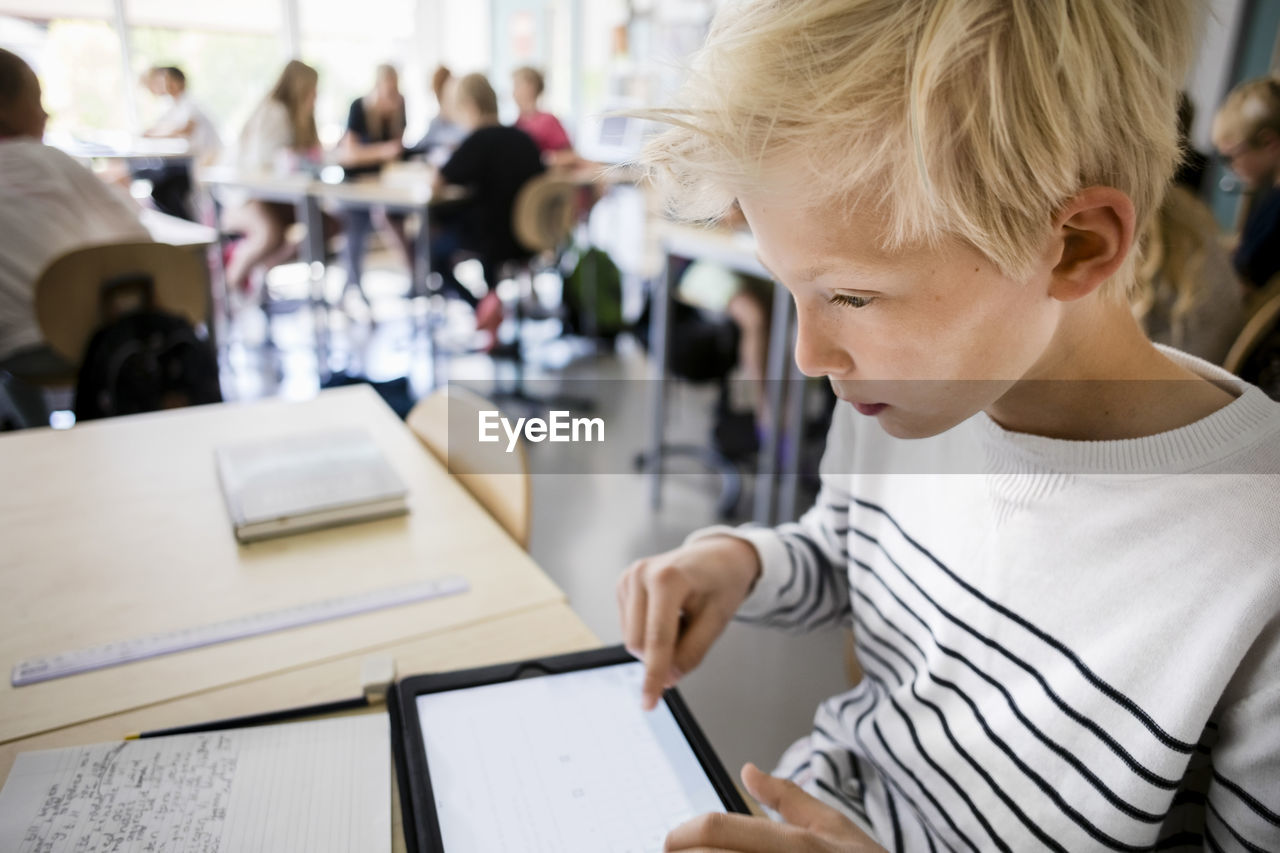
[784, 797]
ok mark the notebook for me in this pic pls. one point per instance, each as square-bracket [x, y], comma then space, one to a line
[311, 787]
[307, 481]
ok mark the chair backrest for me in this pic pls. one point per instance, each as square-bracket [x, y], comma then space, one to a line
[1263, 317]
[497, 479]
[68, 292]
[545, 212]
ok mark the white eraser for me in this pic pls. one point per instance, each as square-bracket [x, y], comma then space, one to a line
[376, 674]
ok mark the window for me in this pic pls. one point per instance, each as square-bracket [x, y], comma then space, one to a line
[74, 50]
[231, 52]
[346, 41]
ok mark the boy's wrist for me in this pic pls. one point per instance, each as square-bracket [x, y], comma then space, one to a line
[741, 555]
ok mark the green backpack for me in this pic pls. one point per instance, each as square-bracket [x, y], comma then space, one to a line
[593, 295]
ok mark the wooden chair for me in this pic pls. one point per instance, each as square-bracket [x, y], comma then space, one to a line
[68, 294]
[497, 479]
[1264, 317]
[545, 213]
[68, 301]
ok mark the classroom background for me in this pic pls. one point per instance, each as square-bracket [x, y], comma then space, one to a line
[670, 333]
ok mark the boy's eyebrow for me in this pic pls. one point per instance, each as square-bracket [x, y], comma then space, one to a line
[806, 275]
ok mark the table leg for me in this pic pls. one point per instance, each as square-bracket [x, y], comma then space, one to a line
[419, 276]
[775, 384]
[358, 223]
[659, 322]
[792, 428]
[310, 215]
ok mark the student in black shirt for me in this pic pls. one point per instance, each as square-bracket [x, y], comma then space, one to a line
[492, 163]
[374, 137]
[1246, 131]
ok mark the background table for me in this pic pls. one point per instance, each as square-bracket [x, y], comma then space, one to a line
[736, 251]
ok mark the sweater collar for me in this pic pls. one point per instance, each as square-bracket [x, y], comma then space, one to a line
[1209, 443]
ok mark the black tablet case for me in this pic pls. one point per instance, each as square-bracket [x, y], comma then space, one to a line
[421, 828]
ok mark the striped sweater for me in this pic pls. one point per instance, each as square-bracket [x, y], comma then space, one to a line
[1066, 645]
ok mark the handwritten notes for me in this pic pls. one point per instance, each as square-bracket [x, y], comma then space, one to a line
[315, 787]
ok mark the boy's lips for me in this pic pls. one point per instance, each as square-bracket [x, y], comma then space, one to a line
[847, 395]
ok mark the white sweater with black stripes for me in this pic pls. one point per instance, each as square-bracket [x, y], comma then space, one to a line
[1067, 645]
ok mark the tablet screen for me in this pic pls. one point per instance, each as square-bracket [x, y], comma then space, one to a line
[566, 763]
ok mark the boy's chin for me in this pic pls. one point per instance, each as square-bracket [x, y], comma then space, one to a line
[911, 425]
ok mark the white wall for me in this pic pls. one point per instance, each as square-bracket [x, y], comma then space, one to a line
[463, 35]
[1211, 74]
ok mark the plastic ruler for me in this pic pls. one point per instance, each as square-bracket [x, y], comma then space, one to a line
[167, 642]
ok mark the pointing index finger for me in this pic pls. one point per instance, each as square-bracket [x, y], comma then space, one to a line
[662, 627]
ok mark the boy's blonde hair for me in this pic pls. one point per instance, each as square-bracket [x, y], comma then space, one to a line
[1252, 107]
[971, 118]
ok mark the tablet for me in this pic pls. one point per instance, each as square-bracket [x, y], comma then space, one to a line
[550, 755]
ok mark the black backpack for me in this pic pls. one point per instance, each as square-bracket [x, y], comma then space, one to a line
[144, 361]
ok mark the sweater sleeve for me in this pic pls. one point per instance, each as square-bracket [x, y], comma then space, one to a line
[803, 583]
[1242, 809]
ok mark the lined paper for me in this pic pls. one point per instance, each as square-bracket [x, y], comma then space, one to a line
[316, 786]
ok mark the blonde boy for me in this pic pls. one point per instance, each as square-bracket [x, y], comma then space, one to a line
[1056, 543]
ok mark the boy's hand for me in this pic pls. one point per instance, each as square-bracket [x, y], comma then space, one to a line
[673, 606]
[811, 826]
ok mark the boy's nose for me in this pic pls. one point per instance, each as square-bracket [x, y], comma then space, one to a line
[818, 350]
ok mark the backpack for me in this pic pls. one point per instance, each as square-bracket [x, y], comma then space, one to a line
[145, 361]
[593, 295]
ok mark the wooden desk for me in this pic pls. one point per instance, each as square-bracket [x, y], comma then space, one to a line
[177, 232]
[404, 188]
[547, 629]
[117, 528]
[123, 146]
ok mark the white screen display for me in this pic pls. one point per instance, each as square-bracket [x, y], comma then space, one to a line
[562, 763]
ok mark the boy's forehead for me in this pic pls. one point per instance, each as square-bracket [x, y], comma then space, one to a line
[823, 231]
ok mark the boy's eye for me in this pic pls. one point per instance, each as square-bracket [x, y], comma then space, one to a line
[849, 301]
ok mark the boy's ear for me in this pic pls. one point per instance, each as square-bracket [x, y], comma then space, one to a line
[1094, 232]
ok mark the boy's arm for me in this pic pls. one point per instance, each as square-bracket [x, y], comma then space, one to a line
[804, 582]
[1243, 806]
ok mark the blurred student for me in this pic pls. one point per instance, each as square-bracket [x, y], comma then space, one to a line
[443, 132]
[1246, 132]
[171, 181]
[1187, 294]
[183, 117]
[492, 164]
[527, 86]
[1074, 644]
[279, 138]
[374, 138]
[49, 205]
[375, 126]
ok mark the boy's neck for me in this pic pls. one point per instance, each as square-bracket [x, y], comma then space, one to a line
[1102, 379]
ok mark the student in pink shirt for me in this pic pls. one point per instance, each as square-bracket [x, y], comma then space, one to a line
[545, 129]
